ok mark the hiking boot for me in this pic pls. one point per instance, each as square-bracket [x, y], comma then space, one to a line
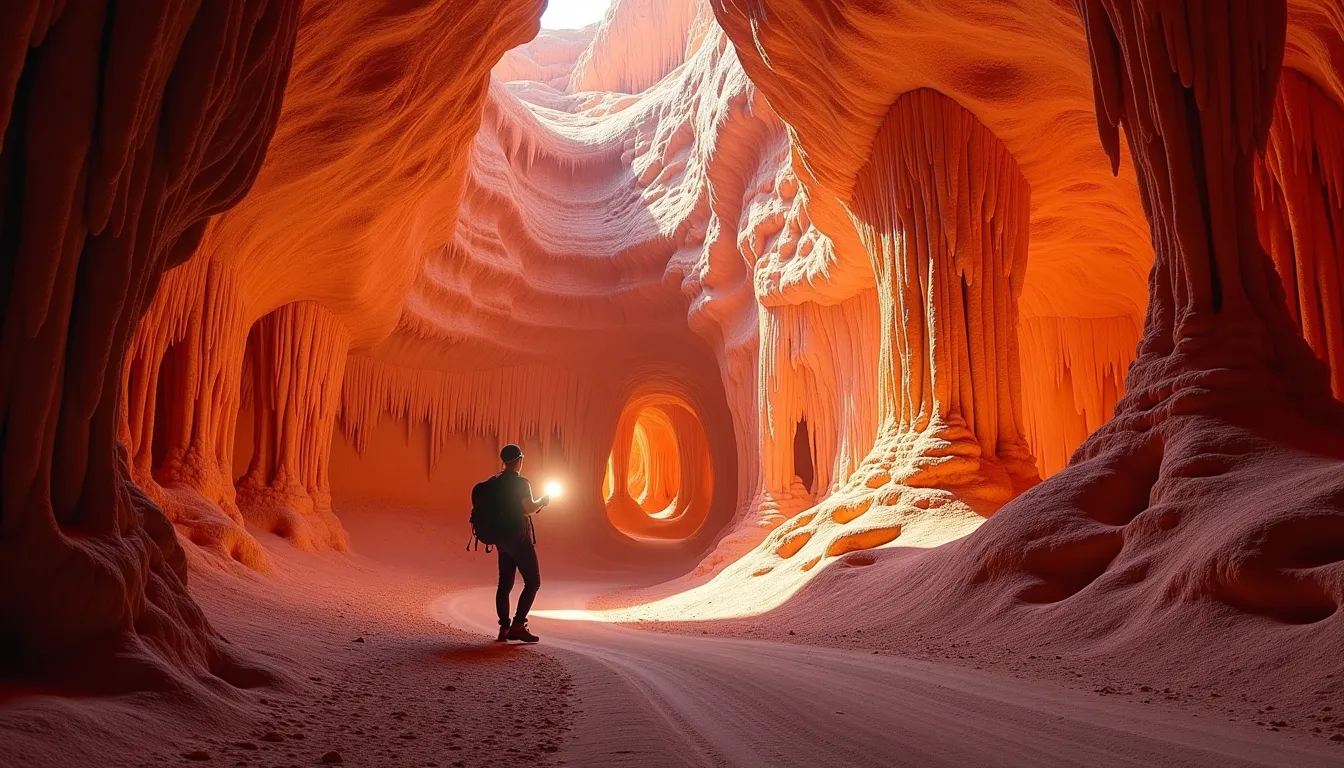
[519, 632]
[503, 633]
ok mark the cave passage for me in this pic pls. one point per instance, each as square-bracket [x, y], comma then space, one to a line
[665, 490]
[985, 358]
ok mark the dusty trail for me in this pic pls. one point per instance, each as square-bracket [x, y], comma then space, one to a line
[656, 699]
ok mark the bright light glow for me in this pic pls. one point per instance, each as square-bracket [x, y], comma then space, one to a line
[554, 490]
[573, 14]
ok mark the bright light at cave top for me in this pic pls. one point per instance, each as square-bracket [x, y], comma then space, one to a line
[573, 14]
[554, 489]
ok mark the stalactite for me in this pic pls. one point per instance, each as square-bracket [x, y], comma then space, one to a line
[505, 404]
[943, 211]
[1300, 186]
[199, 313]
[1073, 373]
[125, 129]
[298, 357]
[818, 363]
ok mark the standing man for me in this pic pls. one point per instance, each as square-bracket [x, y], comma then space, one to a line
[517, 552]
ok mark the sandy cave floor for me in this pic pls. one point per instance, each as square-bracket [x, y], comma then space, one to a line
[427, 687]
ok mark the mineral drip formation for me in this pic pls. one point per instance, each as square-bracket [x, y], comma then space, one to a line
[297, 362]
[943, 210]
[1299, 179]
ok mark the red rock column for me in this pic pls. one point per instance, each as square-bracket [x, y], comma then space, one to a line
[107, 189]
[1218, 331]
[198, 313]
[943, 210]
[1220, 467]
[1299, 181]
[298, 364]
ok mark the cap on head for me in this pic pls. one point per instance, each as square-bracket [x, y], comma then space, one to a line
[510, 453]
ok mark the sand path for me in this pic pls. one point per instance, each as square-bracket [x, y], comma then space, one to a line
[652, 699]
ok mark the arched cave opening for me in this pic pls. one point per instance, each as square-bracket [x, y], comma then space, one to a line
[658, 482]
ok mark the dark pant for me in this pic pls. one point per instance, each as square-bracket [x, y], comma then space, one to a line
[517, 554]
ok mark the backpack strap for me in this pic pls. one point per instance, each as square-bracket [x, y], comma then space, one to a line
[473, 541]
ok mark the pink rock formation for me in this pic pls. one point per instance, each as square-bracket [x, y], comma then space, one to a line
[1207, 513]
[943, 211]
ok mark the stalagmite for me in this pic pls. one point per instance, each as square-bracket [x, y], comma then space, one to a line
[1300, 185]
[298, 356]
[942, 209]
[125, 128]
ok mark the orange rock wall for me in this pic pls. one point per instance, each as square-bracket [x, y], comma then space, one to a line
[316, 248]
[747, 215]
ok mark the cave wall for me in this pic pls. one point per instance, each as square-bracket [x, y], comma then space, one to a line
[363, 178]
[125, 130]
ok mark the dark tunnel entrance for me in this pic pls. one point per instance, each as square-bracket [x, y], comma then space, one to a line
[802, 456]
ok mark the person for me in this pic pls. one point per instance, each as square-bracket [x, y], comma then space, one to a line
[517, 553]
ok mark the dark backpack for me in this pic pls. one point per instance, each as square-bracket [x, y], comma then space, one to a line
[491, 522]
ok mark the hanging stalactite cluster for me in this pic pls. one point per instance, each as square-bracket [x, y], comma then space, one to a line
[505, 404]
[1299, 181]
[1073, 373]
[819, 364]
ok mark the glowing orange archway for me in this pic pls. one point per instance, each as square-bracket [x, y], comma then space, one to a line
[658, 482]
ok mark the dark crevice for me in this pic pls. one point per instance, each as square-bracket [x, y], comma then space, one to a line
[1194, 129]
[169, 382]
[802, 456]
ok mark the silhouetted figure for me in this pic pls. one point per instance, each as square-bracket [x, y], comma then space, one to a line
[517, 551]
